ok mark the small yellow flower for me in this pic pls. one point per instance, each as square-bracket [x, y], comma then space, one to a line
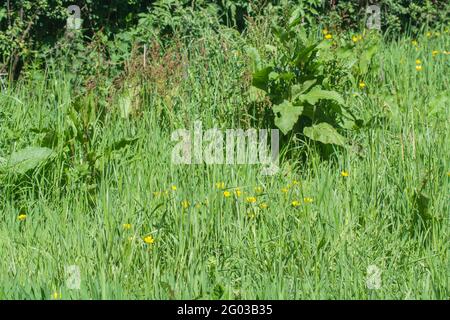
[127, 226]
[149, 240]
[345, 173]
[419, 68]
[308, 200]
[428, 34]
[227, 194]
[22, 217]
[355, 39]
[362, 85]
[259, 189]
[250, 199]
[296, 203]
[328, 36]
[220, 185]
[435, 53]
[174, 188]
[56, 295]
[295, 183]
[414, 43]
[285, 190]
[185, 204]
[418, 62]
[237, 192]
[263, 205]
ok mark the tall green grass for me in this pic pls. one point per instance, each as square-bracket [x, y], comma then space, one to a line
[224, 247]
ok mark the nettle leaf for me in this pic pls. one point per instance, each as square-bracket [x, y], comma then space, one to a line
[325, 133]
[27, 159]
[288, 115]
[317, 94]
[261, 78]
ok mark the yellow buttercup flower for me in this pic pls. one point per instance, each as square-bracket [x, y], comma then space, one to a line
[295, 203]
[308, 200]
[435, 53]
[127, 226]
[263, 205]
[345, 173]
[285, 190]
[418, 62]
[250, 199]
[220, 185]
[419, 68]
[328, 36]
[355, 39]
[174, 188]
[185, 204]
[149, 240]
[295, 183]
[237, 192]
[227, 194]
[414, 43]
[259, 189]
[22, 217]
[428, 34]
[56, 295]
[362, 85]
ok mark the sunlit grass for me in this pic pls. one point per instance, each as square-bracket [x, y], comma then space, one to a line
[150, 229]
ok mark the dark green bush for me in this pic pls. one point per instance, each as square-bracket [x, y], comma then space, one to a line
[29, 26]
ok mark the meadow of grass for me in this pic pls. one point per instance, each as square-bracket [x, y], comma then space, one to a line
[143, 228]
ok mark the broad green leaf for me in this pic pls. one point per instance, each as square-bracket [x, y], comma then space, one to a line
[317, 94]
[366, 58]
[298, 89]
[27, 159]
[288, 115]
[255, 94]
[295, 17]
[325, 133]
[303, 55]
[261, 78]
